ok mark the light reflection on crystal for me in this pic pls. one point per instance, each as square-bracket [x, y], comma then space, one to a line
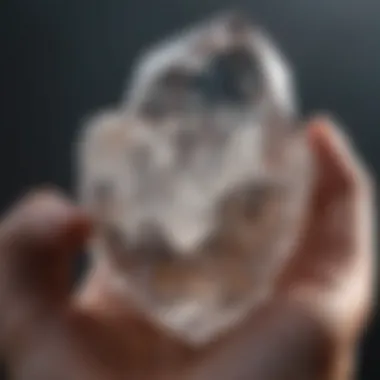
[187, 154]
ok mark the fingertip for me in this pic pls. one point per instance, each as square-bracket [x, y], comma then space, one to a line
[328, 131]
[323, 132]
[45, 217]
[336, 160]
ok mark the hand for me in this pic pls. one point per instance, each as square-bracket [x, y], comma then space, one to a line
[309, 330]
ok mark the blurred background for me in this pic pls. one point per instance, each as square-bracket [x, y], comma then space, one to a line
[63, 59]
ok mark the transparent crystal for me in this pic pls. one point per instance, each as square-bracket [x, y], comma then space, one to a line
[198, 179]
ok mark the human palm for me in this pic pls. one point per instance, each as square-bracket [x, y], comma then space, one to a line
[308, 330]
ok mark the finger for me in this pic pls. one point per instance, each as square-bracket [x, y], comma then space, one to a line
[340, 226]
[349, 234]
[337, 155]
[359, 227]
[37, 241]
[338, 163]
[333, 271]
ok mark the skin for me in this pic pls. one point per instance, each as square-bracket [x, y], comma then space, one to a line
[309, 330]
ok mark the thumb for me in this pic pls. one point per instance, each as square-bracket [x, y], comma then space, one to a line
[37, 241]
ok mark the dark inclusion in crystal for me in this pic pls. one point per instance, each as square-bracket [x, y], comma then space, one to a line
[229, 78]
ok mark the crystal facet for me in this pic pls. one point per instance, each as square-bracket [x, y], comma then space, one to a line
[198, 179]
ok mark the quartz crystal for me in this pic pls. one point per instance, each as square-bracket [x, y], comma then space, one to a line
[198, 178]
